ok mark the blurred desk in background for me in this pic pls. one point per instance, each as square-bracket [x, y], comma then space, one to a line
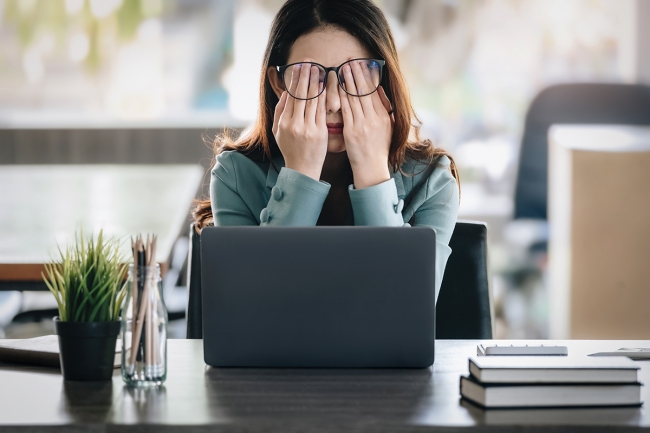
[42, 205]
[52, 137]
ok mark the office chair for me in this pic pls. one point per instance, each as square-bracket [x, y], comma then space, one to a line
[582, 103]
[175, 296]
[194, 314]
[463, 307]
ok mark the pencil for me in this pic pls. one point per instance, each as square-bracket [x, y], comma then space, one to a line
[154, 317]
[134, 295]
[149, 318]
[142, 260]
[149, 337]
[140, 314]
[156, 338]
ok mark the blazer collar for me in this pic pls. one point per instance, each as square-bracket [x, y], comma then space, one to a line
[278, 162]
[399, 183]
[272, 174]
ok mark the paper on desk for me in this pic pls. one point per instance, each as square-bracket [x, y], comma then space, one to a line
[633, 353]
[519, 350]
[43, 351]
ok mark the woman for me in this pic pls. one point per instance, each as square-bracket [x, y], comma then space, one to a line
[328, 147]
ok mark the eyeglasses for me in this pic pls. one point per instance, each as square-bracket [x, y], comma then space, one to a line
[371, 68]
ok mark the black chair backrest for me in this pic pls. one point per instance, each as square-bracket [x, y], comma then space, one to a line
[463, 307]
[584, 103]
[194, 313]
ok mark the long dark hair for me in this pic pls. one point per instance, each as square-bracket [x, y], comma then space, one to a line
[363, 20]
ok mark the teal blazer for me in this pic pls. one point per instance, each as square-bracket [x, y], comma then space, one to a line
[248, 192]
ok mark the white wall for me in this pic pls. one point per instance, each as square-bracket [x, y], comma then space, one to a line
[634, 57]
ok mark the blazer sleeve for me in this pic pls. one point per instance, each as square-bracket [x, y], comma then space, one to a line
[440, 211]
[379, 205]
[295, 200]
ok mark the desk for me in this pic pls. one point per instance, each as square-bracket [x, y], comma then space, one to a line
[41, 205]
[287, 400]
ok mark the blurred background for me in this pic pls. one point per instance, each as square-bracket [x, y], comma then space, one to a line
[148, 81]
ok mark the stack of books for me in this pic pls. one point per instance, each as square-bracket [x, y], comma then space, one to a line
[551, 382]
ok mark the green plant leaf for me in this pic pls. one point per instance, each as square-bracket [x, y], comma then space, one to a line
[87, 278]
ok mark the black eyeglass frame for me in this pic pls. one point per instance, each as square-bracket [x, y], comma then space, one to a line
[282, 69]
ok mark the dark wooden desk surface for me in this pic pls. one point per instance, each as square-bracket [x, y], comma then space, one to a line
[44, 204]
[287, 400]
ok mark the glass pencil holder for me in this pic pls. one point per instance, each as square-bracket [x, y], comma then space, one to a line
[144, 329]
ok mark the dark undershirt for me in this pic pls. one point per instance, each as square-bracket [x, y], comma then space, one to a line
[338, 173]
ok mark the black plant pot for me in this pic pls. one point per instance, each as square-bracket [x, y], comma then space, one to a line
[87, 349]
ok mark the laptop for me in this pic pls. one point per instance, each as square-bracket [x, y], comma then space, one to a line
[349, 297]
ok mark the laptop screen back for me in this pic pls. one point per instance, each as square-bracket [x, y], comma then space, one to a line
[318, 296]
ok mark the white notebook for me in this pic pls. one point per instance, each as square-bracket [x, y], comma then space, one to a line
[533, 369]
[549, 395]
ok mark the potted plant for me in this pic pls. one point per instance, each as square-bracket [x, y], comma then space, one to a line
[88, 282]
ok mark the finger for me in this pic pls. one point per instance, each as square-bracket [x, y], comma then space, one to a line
[384, 99]
[313, 90]
[320, 110]
[301, 92]
[350, 86]
[363, 87]
[346, 110]
[279, 109]
[377, 102]
[386, 103]
[292, 90]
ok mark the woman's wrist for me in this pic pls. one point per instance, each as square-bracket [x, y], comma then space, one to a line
[365, 177]
[312, 171]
